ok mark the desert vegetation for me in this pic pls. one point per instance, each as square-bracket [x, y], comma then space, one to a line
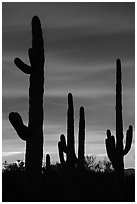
[94, 182]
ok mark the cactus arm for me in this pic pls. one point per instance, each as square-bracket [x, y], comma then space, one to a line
[110, 147]
[22, 66]
[61, 155]
[129, 136]
[47, 161]
[81, 147]
[16, 121]
[62, 147]
[63, 143]
[36, 53]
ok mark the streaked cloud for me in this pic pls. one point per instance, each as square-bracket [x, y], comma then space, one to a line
[5, 154]
[82, 43]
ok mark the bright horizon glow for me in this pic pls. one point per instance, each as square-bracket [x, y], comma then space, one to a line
[90, 149]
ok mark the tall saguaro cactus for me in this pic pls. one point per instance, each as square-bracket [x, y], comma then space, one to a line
[69, 148]
[71, 157]
[33, 134]
[116, 150]
[81, 142]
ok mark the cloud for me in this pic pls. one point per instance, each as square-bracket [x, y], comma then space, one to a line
[82, 43]
[55, 14]
[5, 154]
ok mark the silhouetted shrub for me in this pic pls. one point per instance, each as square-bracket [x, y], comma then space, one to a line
[98, 166]
[59, 184]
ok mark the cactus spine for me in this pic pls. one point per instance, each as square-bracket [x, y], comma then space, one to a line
[33, 134]
[69, 148]
[116, 150]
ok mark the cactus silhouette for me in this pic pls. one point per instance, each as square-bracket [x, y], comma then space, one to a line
[116, 150]
[69, 148]
[47, 161]
[81, 146]
[33, 133]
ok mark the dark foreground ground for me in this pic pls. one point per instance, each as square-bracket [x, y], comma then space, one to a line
[59, 185]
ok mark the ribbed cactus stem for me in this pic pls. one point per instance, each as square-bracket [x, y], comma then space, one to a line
[81, 147]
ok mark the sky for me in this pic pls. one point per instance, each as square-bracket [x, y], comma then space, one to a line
[82, 42]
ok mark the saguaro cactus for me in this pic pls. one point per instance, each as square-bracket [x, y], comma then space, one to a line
[116, 150]
[69, 148]
[33, 134]
[81, 146]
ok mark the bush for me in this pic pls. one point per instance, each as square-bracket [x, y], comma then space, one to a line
[97, 166]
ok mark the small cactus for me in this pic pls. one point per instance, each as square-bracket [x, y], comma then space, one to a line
[115, 149]
[33, 134]
[69, 148]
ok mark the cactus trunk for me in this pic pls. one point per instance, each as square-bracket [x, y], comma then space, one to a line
[119, 168]
[34, 144]
[81, 147]
[70, 132]
[119, 121]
